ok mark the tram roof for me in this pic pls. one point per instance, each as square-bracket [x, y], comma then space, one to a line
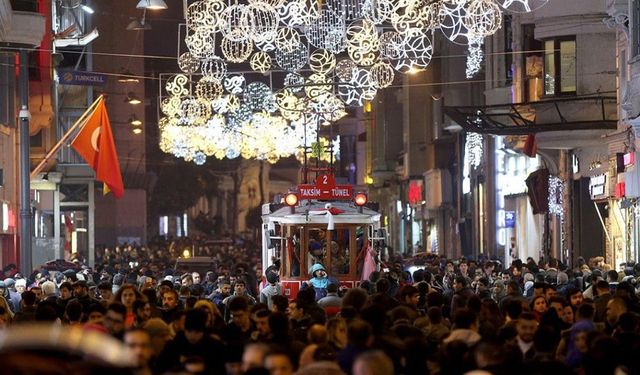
[315, 212]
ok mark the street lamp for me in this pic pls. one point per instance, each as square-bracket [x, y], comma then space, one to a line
[133, 99]
[133, 120]
[152, 4]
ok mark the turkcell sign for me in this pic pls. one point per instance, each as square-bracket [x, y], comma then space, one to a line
[336, 192]
[73, 77]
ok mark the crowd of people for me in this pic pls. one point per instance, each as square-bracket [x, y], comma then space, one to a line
[441, 316]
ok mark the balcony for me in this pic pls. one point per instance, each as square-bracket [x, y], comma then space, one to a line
[20, 23]
[553, 115]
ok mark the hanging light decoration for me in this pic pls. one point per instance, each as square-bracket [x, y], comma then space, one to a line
[211, 113]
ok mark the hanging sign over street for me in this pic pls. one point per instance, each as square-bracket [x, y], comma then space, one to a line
[72, 77]
[325, 188]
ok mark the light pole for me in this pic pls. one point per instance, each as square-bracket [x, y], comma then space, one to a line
[25, 169]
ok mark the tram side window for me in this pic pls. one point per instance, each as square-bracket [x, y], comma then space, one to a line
[340, 245]
[295, 255]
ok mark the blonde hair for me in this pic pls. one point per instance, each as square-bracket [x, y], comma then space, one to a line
[7, 310]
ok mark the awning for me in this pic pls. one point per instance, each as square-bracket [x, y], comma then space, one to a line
[558, 114]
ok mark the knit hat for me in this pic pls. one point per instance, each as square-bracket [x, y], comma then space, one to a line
[272, 278]
[167, 283]
[21, 282]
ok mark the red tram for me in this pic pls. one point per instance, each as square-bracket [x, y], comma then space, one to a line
[322, 223]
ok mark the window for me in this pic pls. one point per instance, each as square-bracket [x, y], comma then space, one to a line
[533, 63]
[636, 27]
[560, 67]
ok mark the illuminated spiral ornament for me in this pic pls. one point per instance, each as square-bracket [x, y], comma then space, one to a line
[294, 60]
[409, 22]
[234, 83]
[236, 50]
[322, 61]
[363, 43]
[288, 104]
[200, 43]
[345, 70]
[450, 19]
[177, 85]
[209, 88]
[170, 106]
[233, 28]
[260, 21]
[214, 67]
[188, 64]
[296, 13]
[391, 45]
[381, 75]
[205, 14]
[293, 82]
[268, 44]
[260, 62]
[317, 84]
[482, 17]
[522, 6]
[226, 103]
[287, 39]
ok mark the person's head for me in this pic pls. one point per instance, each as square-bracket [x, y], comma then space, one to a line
[373, 363]
[105, 289]
[332, 288]
[278, 362]
[337, 332]
[73, 311]
[142, 310]
[261, 321]
[138, 342]
[602, 287]
[253, 356]
[127, 295]
[95, 313]
[38, 293]
[317, 334]
[359, 333]
[459, 283]
[568, 315]
[557, 303]
[574, 295]
[66, 290]
[114, 319]
[239, 309]
[21, 285]
[539, 304]
[615, 307]
[195, 325]
[612, 276]
[224, 286]
[28, 298]
[465, 319]
[239, 288]
[526, 326]
[464, 268]
[562, 278]
[549, 291]
[409, 295]
[196, 278]
[513, 287]
[585, 311]
[159, 332]
[80, 288]
[170, 299]
[279, 303]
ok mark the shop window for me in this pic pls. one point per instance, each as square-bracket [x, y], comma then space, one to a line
[533, 64]
[560, 67]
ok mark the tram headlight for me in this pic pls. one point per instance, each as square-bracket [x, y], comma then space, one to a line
[360, 199]
[291, 199]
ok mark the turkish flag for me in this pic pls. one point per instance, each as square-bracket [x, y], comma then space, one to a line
[95, 144]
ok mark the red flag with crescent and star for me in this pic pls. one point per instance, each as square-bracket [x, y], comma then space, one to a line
[95, 144]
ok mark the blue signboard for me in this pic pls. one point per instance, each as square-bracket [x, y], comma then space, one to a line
[509, 219]
[72, 77]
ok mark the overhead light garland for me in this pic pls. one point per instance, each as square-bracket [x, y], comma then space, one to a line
[209, 112]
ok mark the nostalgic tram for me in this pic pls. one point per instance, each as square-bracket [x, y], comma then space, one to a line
[321, 223]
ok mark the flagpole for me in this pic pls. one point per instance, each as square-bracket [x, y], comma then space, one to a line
[79, 122]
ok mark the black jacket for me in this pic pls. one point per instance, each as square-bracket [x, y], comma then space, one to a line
[177, 350]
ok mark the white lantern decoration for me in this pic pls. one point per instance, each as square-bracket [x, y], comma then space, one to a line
[287, 39]
[482, 17]
[188, 64]
[345, 70]
[260, 21]
[294, 60]
[214, 67]
[236, 50]
[294, 82]
[362, 42]
[381, 75]
[234, 83]
[208, 88]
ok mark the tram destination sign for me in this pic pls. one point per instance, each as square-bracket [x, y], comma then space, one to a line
[325, 188]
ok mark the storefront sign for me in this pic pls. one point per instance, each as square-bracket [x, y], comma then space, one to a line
[509, 219]
[597, 186]
[82, 78]
[325, 188]
[415, 192]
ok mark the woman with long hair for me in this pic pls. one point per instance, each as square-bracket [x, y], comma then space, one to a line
[6, 315]
[127, 295]
[337, 333]
[538, 306]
